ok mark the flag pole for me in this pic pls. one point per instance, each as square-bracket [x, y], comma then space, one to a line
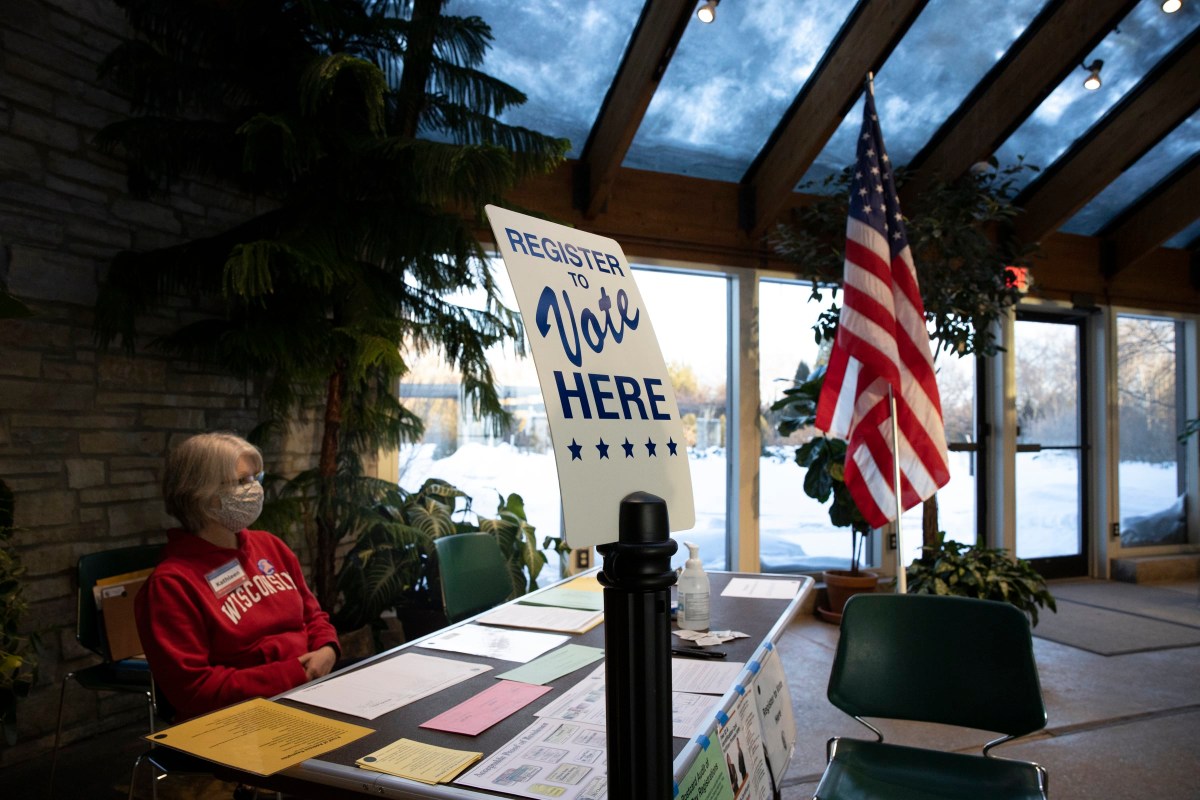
[901, 573]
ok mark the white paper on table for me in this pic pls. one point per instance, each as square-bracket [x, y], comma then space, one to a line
[550, 758]
[385, 686]
[585, 702]
[501, 643]
[701, 676]
[691, 713]
[546, 618]
[761, 588]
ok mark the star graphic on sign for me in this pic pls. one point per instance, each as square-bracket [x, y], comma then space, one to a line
[650, 445]
[628, 448]
[603, 448]
[671, 445]
[575, 449]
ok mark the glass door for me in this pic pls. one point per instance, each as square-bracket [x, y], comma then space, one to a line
[1051, 457]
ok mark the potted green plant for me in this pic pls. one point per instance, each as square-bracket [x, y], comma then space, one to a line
[823, 458]
[18, 663]
[954, 568]
[390, 564]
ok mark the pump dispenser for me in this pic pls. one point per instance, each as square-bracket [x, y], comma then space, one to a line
[693, 592]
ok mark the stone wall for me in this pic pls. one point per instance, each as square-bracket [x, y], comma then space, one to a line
[83, 432]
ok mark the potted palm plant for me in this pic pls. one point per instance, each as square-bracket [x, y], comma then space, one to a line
[823, 459]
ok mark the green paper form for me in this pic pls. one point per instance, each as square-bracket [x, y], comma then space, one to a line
[567, 598]
[554, 664]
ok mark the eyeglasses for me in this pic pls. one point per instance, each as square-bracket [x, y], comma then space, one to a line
[249, 479]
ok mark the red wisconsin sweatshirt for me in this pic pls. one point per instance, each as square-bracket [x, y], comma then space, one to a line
[210, 645]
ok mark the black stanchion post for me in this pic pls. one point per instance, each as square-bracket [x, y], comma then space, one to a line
[637, 578]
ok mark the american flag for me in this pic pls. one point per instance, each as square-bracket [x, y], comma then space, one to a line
[882, 342]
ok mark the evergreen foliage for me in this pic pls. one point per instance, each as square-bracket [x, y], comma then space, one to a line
[961, 243]
[369, 140]
[18, 661]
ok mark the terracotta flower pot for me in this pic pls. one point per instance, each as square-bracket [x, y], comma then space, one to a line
[841, 585]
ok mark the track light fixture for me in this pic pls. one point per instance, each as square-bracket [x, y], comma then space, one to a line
[1092, 81]
[1171, 6]
[708, 12]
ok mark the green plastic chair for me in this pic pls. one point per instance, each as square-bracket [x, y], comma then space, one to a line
[474, 574]
[948, 660]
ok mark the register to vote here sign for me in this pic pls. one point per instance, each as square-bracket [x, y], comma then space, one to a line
[611, 408]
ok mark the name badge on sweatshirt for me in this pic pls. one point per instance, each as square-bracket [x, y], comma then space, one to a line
[226, 578]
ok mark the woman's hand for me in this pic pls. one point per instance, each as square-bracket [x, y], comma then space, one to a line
[319, 662]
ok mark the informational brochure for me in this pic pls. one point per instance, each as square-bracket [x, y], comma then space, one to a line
[544, 618]
[259, 736]
[386, 685]
[740, 736]
[418, 761]
[476, 714]
[708, 778]
[501, 643]
[550, 758]
[585, 702]
[761, 588]
[773, 700]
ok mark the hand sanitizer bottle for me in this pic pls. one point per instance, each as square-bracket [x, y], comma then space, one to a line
[693, 592]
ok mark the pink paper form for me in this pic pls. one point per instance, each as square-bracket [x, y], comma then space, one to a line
[485, 709]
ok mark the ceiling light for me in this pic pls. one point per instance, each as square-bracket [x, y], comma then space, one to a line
[708, 12]
[1092, 82]
[1171, 6]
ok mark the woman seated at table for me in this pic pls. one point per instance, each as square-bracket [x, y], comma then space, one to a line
[226, 615]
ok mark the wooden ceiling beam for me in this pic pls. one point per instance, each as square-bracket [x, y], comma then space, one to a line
[1163, 99]
[650, 49]
[861, 46]
[1050, 49]
[1170, 207]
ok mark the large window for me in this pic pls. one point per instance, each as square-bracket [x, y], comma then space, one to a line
[956, 501]
[795, 533]
[690, 317]
[690, 313]
[1151, 476]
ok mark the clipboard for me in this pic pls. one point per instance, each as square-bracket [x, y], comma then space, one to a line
[116, 611]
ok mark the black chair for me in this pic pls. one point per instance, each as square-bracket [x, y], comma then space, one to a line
[130, 675]
[948, 660]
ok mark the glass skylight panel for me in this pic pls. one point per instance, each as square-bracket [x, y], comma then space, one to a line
[1176, 148]
[945, 53]
[562, 54]
[729, 83]
[1129, 52]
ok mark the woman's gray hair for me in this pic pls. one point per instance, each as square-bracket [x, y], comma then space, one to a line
[198, 469]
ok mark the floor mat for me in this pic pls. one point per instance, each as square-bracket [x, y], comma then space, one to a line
[1111, 618]
[1181, 605]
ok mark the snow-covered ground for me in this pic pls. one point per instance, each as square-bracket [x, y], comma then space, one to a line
[794, 529]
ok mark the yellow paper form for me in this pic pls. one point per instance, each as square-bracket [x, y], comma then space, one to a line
[259, 736]
[417, 761]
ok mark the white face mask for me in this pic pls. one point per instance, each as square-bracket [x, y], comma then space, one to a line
[240, 506]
